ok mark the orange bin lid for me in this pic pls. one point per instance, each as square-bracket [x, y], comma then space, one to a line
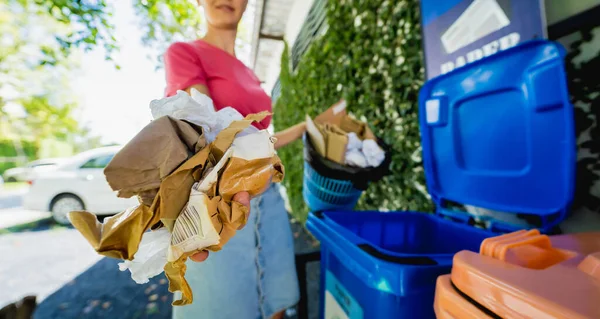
[524, 275]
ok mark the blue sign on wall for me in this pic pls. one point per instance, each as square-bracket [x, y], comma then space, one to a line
[458, 32]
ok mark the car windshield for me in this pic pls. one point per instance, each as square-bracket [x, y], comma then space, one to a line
[84, 158]
[98, 162]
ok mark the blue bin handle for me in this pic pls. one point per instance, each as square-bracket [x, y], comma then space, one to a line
[402, 260]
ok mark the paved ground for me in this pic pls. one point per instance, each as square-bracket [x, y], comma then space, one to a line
[11, 213]
[11, 197]
[102, 291]
[17, 216]
[70, 280]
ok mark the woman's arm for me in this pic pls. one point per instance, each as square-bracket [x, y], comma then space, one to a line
[289, 135]
[295, 132]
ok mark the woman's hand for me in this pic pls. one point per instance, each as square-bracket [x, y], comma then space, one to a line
[242, 198]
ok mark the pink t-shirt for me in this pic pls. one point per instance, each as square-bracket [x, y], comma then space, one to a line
[229, 81]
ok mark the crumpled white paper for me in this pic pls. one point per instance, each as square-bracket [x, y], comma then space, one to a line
[200, 110]
[354, 143]
[363, 153]
[151, 257]
[373, 153]
[356, 158]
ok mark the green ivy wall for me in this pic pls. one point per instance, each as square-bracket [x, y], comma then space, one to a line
[370, 55]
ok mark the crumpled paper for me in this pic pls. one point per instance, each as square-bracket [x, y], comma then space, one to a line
[373, 153]
[151, 257]
[157, 150]
[365, 153]
[199, 110]
[354, 143]
[120, 235]
[356, 158]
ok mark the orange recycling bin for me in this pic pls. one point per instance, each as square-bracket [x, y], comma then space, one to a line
[524, 275]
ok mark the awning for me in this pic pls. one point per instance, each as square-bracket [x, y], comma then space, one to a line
[270, 24]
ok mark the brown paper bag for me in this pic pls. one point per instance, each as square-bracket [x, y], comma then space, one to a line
[154, 153]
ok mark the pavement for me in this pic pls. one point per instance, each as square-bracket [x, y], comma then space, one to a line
[11, 212]
[11, 197]
[16, 216]
[70, 280]
[56, 264]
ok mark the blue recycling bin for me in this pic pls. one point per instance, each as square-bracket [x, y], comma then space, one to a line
[384, 265]
[321, 192]
[496, 134]
[329, 185]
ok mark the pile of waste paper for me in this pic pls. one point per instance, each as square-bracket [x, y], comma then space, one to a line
[185, 167]
[344, 140]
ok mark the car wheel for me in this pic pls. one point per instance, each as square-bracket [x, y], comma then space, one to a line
[11, 180]
[63, 205]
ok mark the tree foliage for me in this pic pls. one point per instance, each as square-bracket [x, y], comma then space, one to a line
[370, 55]
[40, 43]
[90, 26]
[164, 22]
[36, 104]
[87, 21]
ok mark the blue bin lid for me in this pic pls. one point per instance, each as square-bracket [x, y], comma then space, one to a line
[499, 133]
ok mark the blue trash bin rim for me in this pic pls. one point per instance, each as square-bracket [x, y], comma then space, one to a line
[389, 276]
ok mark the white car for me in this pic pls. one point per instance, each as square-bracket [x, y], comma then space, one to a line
[77, 184]
[24, 174]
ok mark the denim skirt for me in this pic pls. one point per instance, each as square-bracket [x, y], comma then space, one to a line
[254, 275]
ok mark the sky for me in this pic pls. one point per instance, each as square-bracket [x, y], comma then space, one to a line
[115, 103]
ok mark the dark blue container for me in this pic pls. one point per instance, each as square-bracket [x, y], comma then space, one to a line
[322, 193]
[496, 134]
[384, 264]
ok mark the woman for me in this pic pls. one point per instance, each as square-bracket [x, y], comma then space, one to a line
[254, 276]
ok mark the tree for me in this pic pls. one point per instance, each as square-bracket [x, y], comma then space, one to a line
[36, 104]
[166, 21]
[90, 26]
[39, 43]
[88, 23]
